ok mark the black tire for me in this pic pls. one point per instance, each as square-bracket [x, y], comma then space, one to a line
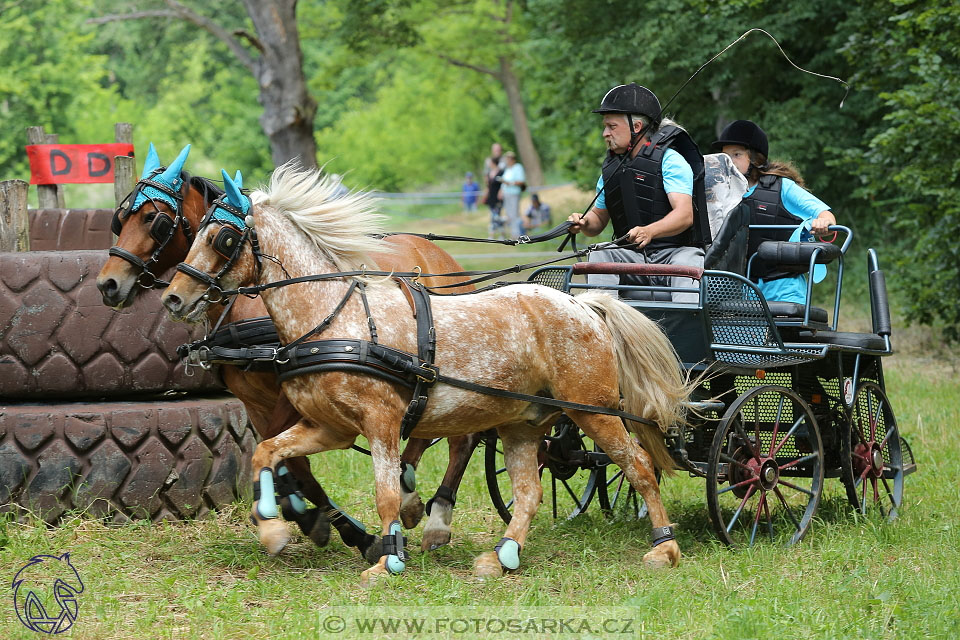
[777, 481]
[570, 487]
[159, 460]
[617, 498]
[872, 468]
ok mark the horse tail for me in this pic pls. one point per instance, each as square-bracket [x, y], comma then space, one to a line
[649, 372]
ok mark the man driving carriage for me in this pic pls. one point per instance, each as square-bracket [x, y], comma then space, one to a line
[651, 188]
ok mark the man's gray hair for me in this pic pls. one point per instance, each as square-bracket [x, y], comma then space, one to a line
[645, 120]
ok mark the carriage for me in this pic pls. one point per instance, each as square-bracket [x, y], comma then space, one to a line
[785, 399]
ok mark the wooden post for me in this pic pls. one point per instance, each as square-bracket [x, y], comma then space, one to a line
[14, 224]
[124, 167]
[49, 196]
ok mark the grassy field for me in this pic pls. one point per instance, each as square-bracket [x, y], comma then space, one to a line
[851, 577]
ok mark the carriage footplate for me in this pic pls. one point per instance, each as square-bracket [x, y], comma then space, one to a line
[508, 553]
[394, 550]
[662, 534]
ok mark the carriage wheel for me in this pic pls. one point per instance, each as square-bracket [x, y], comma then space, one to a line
[765, 472]
[568, 476]
[873, 454]
[618, 499]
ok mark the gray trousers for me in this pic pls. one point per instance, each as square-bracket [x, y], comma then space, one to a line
[685, 256]
[511, 208]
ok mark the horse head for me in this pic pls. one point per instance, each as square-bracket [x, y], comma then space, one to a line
[154, 228]
[224, 256]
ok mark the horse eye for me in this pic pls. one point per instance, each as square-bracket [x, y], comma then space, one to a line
[150, 216]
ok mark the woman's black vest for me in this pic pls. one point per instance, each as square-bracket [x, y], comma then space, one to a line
[766, 207]
[635, 196]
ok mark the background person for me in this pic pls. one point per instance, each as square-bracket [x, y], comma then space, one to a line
[514, 181]
[776, 195]
[493, 167]
[537, 214]
[469, 192]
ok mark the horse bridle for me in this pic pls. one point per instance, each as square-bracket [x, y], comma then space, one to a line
[227, 243]
[162, 229]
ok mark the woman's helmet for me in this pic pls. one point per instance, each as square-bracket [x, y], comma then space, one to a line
[746, 134]
[629, 99]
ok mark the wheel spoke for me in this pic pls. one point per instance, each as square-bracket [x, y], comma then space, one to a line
[742, 483]
[796, 425]
[776, 424]
[873, 417]
[766, 512]
[746, 439]
[510, 504]
[731, 460]
[887, 437]
[576, 499]
[743, 503]
[806, 458]
[786, 506]
[501, 470]
[756, 419]
[756, 518]
[796, 488]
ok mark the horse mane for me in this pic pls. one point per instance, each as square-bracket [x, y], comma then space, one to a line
[339, 225]
[207, 188]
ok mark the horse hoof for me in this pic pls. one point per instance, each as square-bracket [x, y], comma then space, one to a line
[663, 556]
[374, 573]
[434, 539]
[373, 552]
[273, 536]
[487, 566]
[411, 510]
[320, 531]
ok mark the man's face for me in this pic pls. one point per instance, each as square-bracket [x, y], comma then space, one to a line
[496, 150]
[616, 132]
[740, 156]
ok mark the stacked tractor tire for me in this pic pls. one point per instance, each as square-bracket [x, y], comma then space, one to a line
[96, 413]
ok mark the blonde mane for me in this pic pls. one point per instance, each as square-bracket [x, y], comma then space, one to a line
[341, 227]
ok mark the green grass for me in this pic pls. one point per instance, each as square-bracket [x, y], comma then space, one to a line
[851, 577]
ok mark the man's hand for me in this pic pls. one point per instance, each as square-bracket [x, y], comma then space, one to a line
[639, 235]
[576, 219]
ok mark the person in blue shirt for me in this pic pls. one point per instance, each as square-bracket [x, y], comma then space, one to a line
[776, 195]
[470, 192]
[647, 189]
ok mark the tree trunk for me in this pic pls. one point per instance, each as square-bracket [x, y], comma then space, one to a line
[288, 108]
[521, 131]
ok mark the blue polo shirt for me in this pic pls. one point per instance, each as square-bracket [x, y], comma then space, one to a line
[677, 177]
[805, 206]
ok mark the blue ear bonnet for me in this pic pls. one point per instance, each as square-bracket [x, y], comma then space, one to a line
[169, 176]
[237, 204]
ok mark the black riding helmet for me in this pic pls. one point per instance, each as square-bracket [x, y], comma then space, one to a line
[744, 133]
[631, 99]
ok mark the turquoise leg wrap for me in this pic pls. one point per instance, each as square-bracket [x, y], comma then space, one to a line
[508, 552]
[338, 510]
[408, 477]
[296, 500]
[393, 549]
[267, 504]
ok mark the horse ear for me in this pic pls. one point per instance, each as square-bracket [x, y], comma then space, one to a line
[232, 188]
[151, 163]
[173, 171]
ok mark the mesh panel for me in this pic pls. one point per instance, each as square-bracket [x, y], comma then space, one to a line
[553, 277]
[771, 409]
[738, 319]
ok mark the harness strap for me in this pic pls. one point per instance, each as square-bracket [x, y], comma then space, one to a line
[320, 328]
[426, 350]
[366, 308]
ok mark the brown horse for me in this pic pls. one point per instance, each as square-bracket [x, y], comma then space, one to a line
[153, 238]
[523, 338]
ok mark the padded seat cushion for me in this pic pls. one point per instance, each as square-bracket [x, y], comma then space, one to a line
[795, 310]
[797, 253]
[869, 341]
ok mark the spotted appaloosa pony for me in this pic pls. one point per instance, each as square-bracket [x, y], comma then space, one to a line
[270, 412]
[524, 338]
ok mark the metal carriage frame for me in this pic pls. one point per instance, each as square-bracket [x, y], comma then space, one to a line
[784, 401]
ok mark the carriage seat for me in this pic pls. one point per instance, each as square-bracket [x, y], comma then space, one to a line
[868, 341]
[795, 310]
[794, 257]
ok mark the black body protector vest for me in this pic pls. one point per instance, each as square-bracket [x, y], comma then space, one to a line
[766, 207]
[635, 195]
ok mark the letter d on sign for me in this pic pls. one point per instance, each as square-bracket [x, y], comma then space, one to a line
[67, 163]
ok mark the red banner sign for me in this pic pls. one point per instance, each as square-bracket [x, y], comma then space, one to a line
[74, 163]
